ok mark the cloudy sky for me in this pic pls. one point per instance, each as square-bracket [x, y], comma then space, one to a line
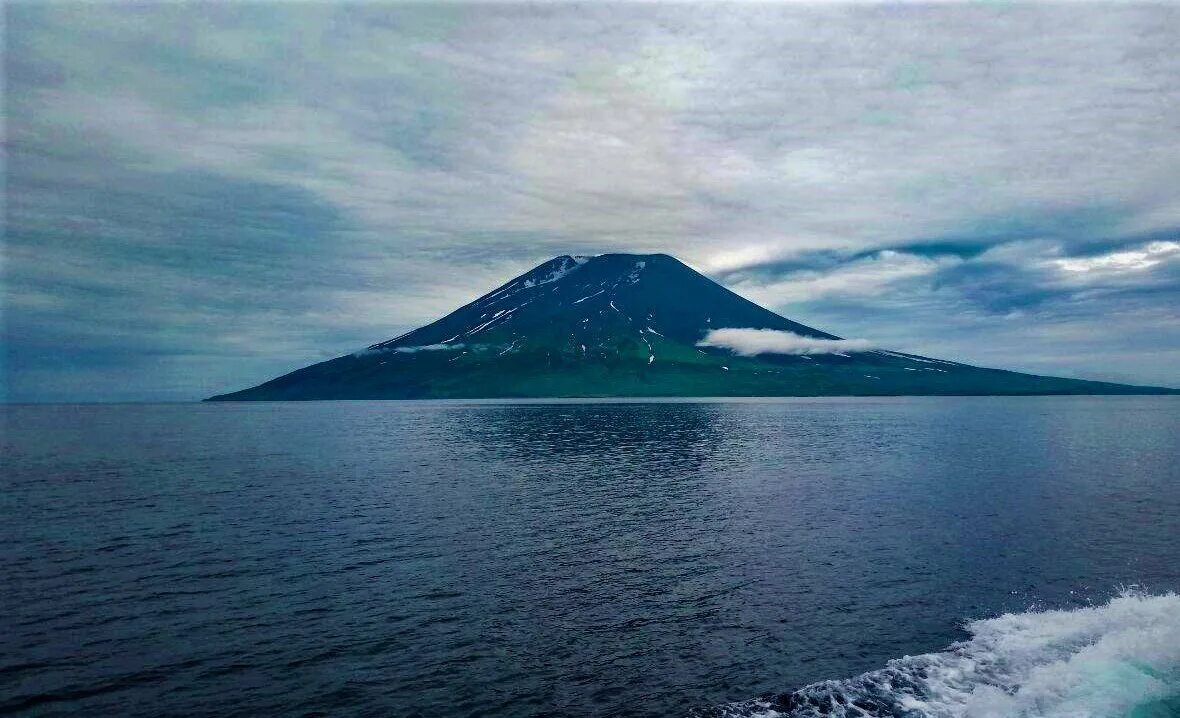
[202, 196]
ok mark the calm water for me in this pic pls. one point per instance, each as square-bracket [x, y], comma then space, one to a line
[454, 559]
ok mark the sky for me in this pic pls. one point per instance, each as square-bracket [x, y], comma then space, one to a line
[202, 196]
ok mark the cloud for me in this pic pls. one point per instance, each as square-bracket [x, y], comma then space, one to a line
[409, 349]
[1132, 260]
[428, 348]
[1010, 306]
[866, 277]
[751, 342]
[254, 188]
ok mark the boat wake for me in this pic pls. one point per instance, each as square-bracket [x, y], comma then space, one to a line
[1119, 659]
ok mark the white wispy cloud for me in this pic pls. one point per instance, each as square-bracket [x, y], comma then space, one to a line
[1130, 260]
[751, 342]
[866, 278]
[428, 348]
[410, 349]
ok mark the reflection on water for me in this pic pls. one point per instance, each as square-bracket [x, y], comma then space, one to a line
[679, 436]
[550, 558]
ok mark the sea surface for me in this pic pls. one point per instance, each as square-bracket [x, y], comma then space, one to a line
[982, 557]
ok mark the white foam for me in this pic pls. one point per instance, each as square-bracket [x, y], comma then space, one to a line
[1115, 660]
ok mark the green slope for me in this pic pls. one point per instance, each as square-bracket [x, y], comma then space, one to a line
[627, 325]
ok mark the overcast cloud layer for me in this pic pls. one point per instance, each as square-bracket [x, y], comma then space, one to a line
[201, 197]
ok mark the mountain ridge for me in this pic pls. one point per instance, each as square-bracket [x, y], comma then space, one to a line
[639, 325]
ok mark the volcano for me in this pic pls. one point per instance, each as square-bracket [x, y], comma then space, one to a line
[628, 325]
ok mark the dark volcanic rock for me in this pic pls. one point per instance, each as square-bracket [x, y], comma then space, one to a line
[627, 325]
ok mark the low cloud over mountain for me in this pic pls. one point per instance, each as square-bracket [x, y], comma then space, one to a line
[752, 342]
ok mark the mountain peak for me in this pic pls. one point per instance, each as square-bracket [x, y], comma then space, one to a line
[620, 324]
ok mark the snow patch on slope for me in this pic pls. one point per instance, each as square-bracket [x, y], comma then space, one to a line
[633, 277]
[579, 301]
[567, 265]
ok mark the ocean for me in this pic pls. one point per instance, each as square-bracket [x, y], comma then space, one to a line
[979, 557]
